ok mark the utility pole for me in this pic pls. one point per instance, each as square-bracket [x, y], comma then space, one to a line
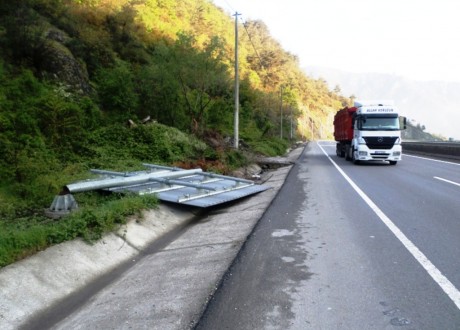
[281, 112]
[311, 126]
[237, 87]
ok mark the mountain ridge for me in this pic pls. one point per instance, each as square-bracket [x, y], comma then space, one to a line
[431, 104]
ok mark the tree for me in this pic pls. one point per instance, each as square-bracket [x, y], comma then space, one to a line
[159, 89]
[117, 91]
[202, 77]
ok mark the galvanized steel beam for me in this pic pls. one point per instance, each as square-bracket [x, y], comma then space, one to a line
[192, 187]
[125, 181]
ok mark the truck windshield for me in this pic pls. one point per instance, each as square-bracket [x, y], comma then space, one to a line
[379, 123]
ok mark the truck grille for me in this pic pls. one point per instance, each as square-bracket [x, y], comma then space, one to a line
[380, 142]
[380, 156]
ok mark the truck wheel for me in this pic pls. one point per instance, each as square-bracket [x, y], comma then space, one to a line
[347, 153]
[339, 150]
[393, 162]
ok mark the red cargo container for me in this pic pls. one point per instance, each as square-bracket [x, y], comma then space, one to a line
[343, 121]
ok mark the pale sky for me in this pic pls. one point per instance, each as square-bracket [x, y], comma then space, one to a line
[416, 39]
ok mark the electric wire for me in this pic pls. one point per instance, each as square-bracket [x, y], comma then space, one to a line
[248, 34]
[253, 46]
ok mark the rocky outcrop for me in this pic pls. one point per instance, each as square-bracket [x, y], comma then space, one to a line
[58, 63]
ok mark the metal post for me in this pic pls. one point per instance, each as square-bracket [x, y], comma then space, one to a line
[237, 87]
[311, 128]
[281, 113]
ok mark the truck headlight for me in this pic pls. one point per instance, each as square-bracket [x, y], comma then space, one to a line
[397, 153]
[362, 153]
[398, 141]
[361, 140]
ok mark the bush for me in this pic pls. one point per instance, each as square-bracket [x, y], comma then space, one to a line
[235, 159]
[270, 147]
[123, 147]
[117, 92]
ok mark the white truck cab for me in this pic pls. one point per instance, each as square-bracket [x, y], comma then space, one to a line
[376, 133]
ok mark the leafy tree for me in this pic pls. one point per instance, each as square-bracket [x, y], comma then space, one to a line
[63, 121]
[202, 77]
[159, 90]
[125, 37]
[117, 91]
[24, 29]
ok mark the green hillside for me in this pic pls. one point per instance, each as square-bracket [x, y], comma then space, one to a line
[416, 132]
[114, 83]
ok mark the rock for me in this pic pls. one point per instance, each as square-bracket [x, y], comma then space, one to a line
[250, 172]
[273, 162]
[58, 62]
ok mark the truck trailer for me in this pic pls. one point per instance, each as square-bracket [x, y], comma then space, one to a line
[369, 131]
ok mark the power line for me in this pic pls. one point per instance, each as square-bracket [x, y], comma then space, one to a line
[253, 46]
[230, 6]
[247, 32]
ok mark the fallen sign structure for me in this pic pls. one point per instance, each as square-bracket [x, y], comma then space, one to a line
[191, 187]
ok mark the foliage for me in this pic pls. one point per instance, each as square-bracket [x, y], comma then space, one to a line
[119, 146]
[202, 77]
[159, 92]
[271, 147]
[116, 89]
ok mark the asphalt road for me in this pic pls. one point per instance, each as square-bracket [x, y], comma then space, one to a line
[343, 246]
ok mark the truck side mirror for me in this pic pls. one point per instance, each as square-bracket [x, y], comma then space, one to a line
[402, 123]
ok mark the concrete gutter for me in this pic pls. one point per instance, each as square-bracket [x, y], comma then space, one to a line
[32, 288]
[31, 285]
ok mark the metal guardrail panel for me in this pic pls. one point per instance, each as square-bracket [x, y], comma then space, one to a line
[190, 187]
[186, 196]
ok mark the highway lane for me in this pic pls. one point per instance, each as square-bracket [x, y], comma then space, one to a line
[322, 258]
[425, 208]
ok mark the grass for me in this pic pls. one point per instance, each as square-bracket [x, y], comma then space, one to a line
[97, 215]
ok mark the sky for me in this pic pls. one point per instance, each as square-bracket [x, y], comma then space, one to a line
[416, 39]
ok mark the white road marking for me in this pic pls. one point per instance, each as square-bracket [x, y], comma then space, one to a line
[433, 160]
[431, 269]
[445, 180]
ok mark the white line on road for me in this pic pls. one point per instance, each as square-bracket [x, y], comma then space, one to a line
[445, 180]
[433, 160]
[437, 276]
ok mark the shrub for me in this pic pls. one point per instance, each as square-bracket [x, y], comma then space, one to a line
[121, 146]
[270, 147]
[117, 92]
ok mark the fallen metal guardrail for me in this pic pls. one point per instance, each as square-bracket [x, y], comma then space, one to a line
[191, 187]
[444, 149]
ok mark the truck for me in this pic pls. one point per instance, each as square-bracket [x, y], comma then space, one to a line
[369, 131]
